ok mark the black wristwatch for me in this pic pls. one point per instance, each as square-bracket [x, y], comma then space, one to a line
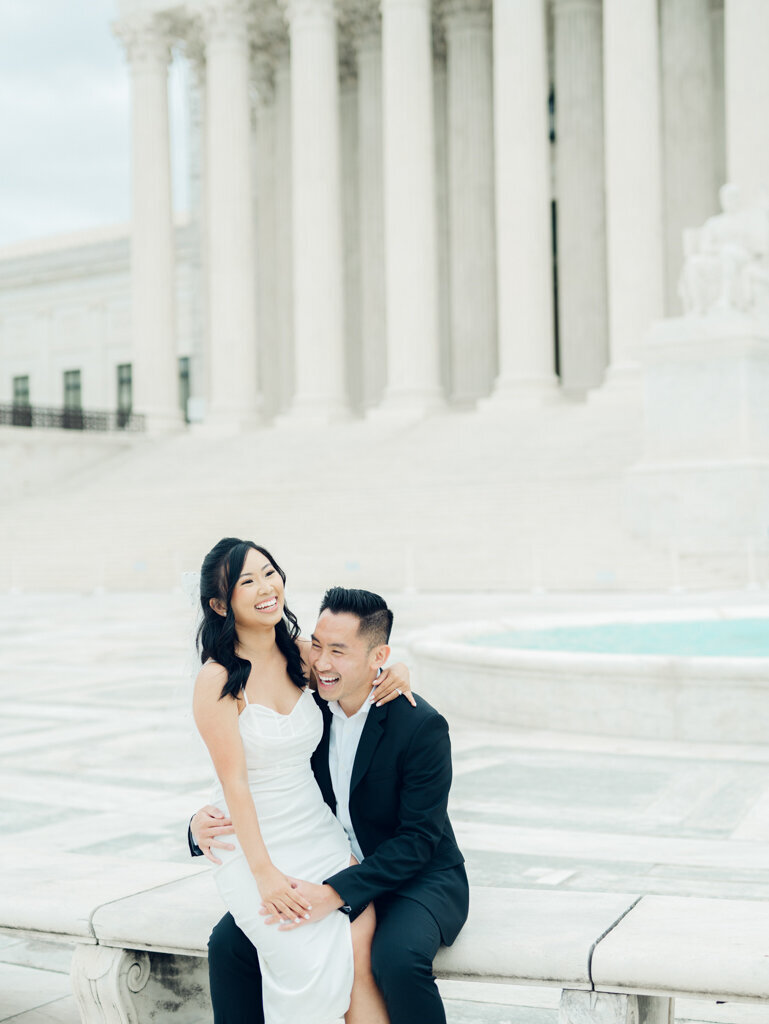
[345, 909]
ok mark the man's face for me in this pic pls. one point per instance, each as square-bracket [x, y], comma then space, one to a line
[340, 658]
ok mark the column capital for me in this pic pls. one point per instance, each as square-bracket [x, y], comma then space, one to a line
[567, 6]
[364, 23]
[346, 51]
[263, 75]
[308, 11]
[455, 12]
[225, 21]
[146, 38]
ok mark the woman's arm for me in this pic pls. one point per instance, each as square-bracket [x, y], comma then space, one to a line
[391, 683]
[217, 722]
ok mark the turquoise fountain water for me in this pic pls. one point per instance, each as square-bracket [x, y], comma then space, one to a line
[725, 638]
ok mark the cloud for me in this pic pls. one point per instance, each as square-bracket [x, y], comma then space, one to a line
[65, 110]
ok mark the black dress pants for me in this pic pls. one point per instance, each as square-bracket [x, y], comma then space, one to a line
[407, 938]
[234, 975]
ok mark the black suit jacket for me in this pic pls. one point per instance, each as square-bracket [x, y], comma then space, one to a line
[398, 806]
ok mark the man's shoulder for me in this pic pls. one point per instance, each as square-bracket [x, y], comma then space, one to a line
[400, 713]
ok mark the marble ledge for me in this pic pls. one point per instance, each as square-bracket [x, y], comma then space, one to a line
[675, 945]
[48, 891]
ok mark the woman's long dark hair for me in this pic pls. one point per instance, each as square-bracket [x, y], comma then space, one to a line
[217, 635]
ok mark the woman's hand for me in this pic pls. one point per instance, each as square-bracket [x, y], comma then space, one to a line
[392, 683]
[280, 895]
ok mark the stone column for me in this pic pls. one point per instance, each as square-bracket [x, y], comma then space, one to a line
[411, 277]
[198, 311]
[266, 231]
[523, 202]
[583, 314]
[746, 44]
[367, 40]
[719, 98]
[472, 252]
[233, 386]
[153, 284]
[284, 244]
[441, 107]
[317, 212]
[348, 129]
[633, 177]
[688, 130]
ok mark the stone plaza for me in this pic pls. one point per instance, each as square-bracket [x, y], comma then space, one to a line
[100, 764]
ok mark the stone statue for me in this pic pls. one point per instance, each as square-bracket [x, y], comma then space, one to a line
[726, 262]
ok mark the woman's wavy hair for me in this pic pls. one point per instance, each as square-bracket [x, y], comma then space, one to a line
[217, 635]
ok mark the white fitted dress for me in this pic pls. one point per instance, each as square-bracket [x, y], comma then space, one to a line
[308, 972]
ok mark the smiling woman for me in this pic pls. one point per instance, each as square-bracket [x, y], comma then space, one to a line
[261, 725]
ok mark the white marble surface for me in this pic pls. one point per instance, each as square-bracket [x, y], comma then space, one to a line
[99, 761]
[697, 945]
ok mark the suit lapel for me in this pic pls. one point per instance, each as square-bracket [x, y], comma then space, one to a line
[369, 740]
[320, 757]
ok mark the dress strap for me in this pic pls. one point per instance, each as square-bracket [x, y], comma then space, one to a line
[245, 698]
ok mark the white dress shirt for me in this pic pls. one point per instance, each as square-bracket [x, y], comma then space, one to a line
[342, 747]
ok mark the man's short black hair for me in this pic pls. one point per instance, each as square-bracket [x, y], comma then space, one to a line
[376, 619]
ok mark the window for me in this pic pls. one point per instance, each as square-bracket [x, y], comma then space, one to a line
[184, 385]
[73, 406]
[22, 412]
[72, 392]
[124, 394]
[21, 390]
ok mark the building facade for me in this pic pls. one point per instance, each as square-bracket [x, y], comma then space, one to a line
[400, 206]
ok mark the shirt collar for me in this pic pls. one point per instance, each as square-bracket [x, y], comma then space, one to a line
[363, 710]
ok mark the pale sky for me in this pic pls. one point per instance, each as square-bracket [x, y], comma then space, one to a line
[65, 120]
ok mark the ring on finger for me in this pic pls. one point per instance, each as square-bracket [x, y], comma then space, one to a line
[399, 692]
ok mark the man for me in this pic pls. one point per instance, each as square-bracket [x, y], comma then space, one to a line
[386, 773]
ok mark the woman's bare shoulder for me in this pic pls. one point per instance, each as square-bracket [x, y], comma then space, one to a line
[211, 675]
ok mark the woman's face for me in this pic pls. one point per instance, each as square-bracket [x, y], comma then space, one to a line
[257, 599]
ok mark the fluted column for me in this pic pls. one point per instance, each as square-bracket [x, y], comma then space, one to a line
[471, 199]
[317, 212]
[367, 40]
[266, 230]
[746, 45]
[198, 307]
[411, 279]
[719, 98]
[153, 285]
[348, 130]
[583, 315]
[523, 202]
[284, 219]
[633, 177]
[441, 107]
[233, 386]
[688, 130]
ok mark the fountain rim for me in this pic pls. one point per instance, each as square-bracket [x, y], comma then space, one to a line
[447, 641]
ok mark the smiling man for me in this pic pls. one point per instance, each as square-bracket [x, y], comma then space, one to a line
[386, 773]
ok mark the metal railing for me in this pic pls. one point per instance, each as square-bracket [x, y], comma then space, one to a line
[70, 419]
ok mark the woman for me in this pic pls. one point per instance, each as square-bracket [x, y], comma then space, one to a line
[261, 724]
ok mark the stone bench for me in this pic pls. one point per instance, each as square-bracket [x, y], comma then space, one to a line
[618, 958]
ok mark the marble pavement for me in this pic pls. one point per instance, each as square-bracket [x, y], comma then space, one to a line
[98, 757]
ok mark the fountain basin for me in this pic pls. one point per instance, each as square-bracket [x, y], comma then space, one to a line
[476, 672]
